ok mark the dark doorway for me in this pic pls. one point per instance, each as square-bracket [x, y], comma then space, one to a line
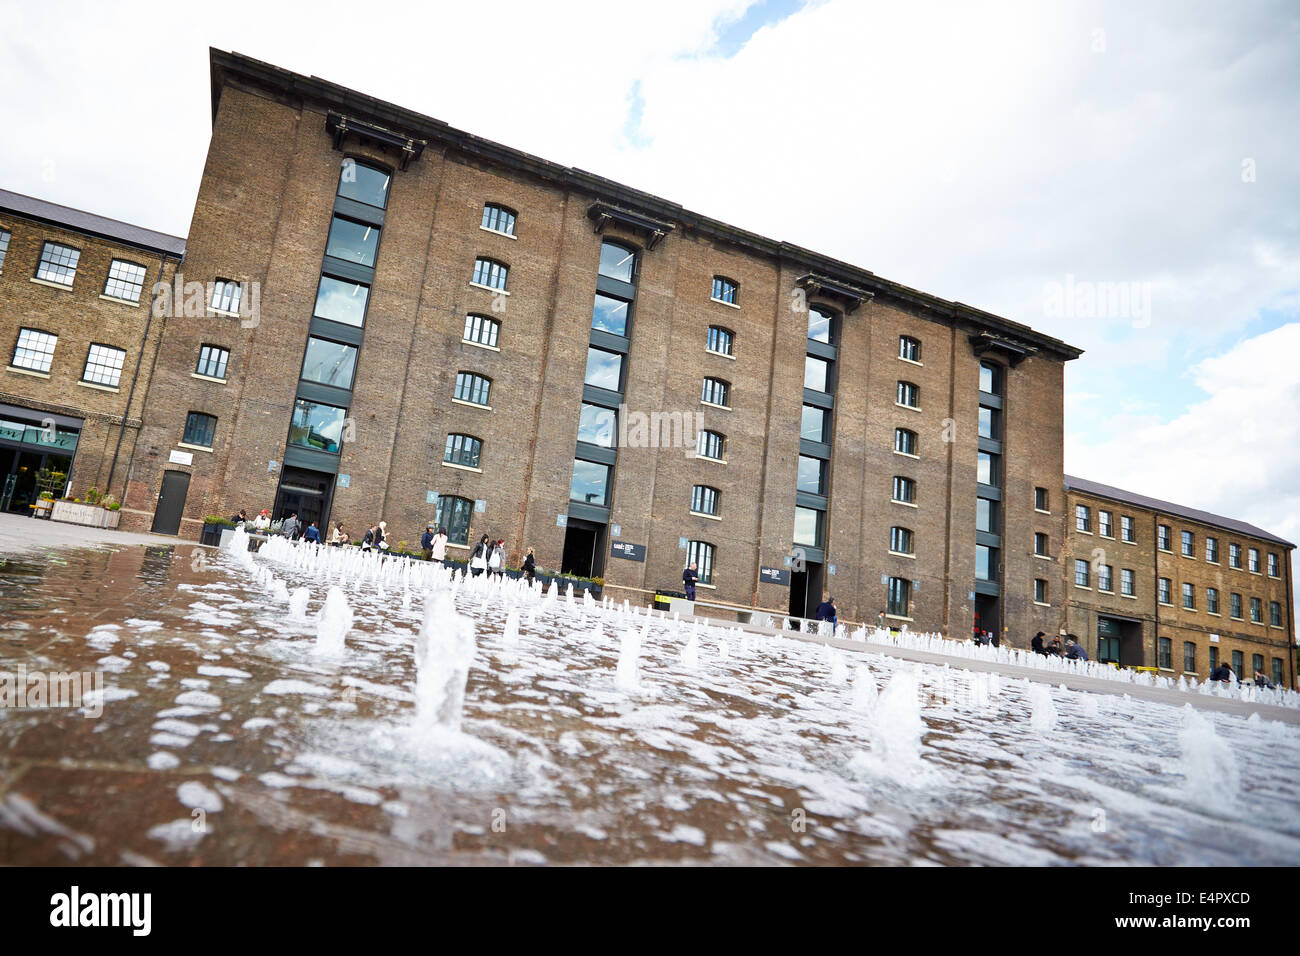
[21, 477]
[1119, 641]
[806, 590]
[306, 494]
[986, 615]
[171, 502]
[584, 543]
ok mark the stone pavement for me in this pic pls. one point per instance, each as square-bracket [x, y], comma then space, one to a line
[19, 533]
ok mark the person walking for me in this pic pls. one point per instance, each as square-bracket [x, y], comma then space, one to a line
[312, 534]
[426, 542]
[497, 559]
[369, 538]
[826, 612]
[439, 550]
[689, 577]
[530, 566]
[290, 527]
[478, 560]
[381, 536]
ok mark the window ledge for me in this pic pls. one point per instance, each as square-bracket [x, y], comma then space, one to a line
[1164, 603]
[1129, 597]
[498, 232]
[701, 514]
[1255, 572]
[910, 408]
[458, 547]
[1042, 512]
[1214, 614]
[447, 464]
[28, 371]
[1190, 610]
[721, 354]
[729, 305]
[1083, 587]
[1043, 557]
[207, 448]
[911, 362]
[479, 345]
[905, 504]
[461, 401]
[1125, 541]
[1042, 604]
[208, 378]
[901, 554]
[725, 408]
[907, 454]
[1108, 537]
[701, 584]
[98, 387]
[1277, 627]
[493, 289]
[1164, 550]
[52, 285]
[898, 617]
[1189, 557]
[133, 303]
[223, 312]
[1081, 531]
[716, 461]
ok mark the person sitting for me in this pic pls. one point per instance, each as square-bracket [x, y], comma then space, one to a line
[1222, 673]
[262, 522]
[1037, 644]
[1074, 650]
[1262, 681]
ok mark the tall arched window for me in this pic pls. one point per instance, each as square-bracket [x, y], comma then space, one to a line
[700, 553]
[453, 514]
[364, 183]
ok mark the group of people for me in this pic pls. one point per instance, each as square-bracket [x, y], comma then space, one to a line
[1071, 650]
[490, 556]
[291, 527]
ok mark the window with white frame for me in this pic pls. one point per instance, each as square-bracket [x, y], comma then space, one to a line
[498, 219]
[212, 361]
[226, 294]
[711, 444]
[909, 395]
[701, 554]
[904, 441]
[125, 280]
[704, 500]
[103, 365]
[725, 290]
[58, 263]
[34, 350]
[909, 348]
[481, 330]
[904, 490]
[716, 392]
[721, 341]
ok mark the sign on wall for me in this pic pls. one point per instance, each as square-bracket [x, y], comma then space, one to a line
[774, 576]
[431, 497]
[625, 549]
[181, 458]
[345, 481]
[561, 521]
[480, 505]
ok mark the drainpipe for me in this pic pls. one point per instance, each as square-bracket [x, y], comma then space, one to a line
[135, 375]
[1155, 581]
[1290, 620]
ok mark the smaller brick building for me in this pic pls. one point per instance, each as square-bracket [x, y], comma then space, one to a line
[1150, 583]
[79, 345]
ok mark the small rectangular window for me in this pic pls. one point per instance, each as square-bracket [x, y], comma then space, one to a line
[1040, 590]
[1212, 549]
[1253, 560]
[200, 429]
[1189, 657]
[1212, 600]
[1234, 605]
[908, 395]
[351, 241]
[1083, 518]
[1163, 537]
[341, 300]
[909, 348]
[610, 314]
[590, 482]
[34, 350]
[1103, 524]
[212, 361]
[1189, 596]
[1165, 659]
[58, 263]
[1104, 578]
[1272, 565]
[1234, 555]
[1040, 544]
[1126, 528]
[1166, 591]
[812, 475]
[125, 281]
[986, 563]
[809, 526]
[597, 425]
[318, 426]
[900, 540]
[4, 246]
[1188, 543]
[329, 363]
[1126, 582]
[904, 490]
[904, 441]
[1256, 611]
[104, 365]
[899, 597]
[225, 295]
[1040, 499]
[816, 374]
[1275, 613]
[724, 290]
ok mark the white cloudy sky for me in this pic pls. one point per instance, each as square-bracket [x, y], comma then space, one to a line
[985, 152]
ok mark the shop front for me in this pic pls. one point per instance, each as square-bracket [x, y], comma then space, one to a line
[36, 453]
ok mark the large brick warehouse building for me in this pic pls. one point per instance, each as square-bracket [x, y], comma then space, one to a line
[396, 319]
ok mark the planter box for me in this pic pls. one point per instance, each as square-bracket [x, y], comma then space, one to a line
[92, 516]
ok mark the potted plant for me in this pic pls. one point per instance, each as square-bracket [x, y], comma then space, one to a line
[212, 527]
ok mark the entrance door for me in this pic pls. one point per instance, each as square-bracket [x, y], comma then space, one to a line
[583, 549]
[986, 615]
[806, 590]
[305, 493]
[171, 502]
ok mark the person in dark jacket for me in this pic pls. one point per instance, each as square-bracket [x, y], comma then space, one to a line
[478, 560]
[530, 566]
[290, 527]
[1074, 650]
[239, 519]
[1037, 644]
[312, 533]
[689, 577]
[426, 542]
[826, 611]
[1223, 672]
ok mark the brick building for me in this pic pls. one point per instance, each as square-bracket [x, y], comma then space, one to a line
[1156, 584]
[438, 327]
[80, 342]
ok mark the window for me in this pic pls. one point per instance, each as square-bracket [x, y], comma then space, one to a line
[58, 263]
[481, 330]
[1083, 518]
[990, 379]
[986, 562]
[103, 365]
[1040, 543]
[904, 441]
[1256, 664]
[986, 515]
[809, 523]
[711, 445]
[351, 241]
[316, 425]
[1126, 585]
[498, 219]
[1166, 591]
[704, 500]
[464, 450]
[812, 475]
[199, 429]
[35, 350]
[472, 388]
[4, 246]
[820, 324]
[212, 361]
[716, 392]
[1040, 590]
[1212, 549]
[724, 290]
[700, 554]
[1237, 664]
[721, 340]
[1234, 605]
[1165, 654]
[604, 369]
[1256, 611]
[1275, 613]
[329, 363]
[617, 262]
[1214, 659]
[1105, 578]
[1252, 561]
[900, 540]
[125, 280]
[597, 425]
[226, 294]
[1188, 544]
[364, 183]
[1189, 597]
[1272, 565]
[1189, 657]
[1163, 539]
[590, 483]
[909, 348]
[1040, 499]
[609, 314]
[990, 423]
[816, 424]
[453, 514]
[986, 468]
[899, 597]
[904, 490]
[490, 273]
[1126, 528]
[909, 395]
[1277, 671]
[816, 374]
[1234, 555]
[1212, 600]
[341, 300]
